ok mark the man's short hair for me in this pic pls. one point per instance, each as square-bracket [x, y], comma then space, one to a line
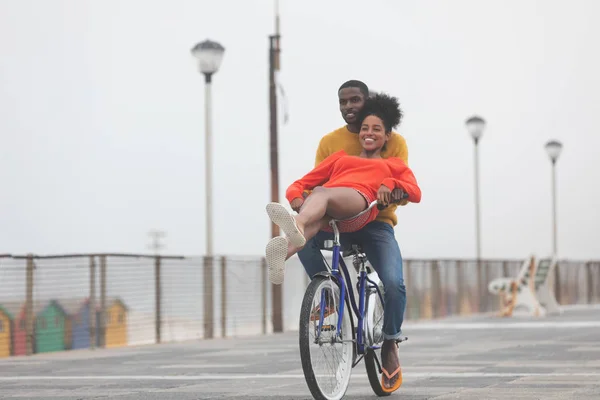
[364, 89]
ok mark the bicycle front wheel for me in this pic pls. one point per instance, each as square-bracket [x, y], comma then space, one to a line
[326, 355]
[374, 339]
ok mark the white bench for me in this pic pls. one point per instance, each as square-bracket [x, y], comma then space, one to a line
[519, 292]
[543, 292]
[534, 295]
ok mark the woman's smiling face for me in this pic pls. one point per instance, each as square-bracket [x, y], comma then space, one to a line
[372, 133]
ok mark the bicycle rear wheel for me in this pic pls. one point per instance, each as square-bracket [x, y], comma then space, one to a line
[374, 338]
[326, 357]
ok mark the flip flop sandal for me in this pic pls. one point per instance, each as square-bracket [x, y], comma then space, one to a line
[276, 253]
[286, 221]
[385, 374]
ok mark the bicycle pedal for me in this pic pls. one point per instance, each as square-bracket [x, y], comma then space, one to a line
[327, 328]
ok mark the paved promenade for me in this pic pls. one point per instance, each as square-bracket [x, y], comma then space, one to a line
[479, 358]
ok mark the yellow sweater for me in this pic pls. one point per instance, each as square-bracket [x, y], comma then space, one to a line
[343, 139]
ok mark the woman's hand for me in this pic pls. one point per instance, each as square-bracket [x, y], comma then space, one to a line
[296, 204]
[384, 195]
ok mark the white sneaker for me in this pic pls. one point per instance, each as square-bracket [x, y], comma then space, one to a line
[276, 252]
[286, 221]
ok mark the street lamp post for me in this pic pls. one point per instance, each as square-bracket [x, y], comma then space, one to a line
[274, 66]
[554, 148]
[209, 55]
[475, 126]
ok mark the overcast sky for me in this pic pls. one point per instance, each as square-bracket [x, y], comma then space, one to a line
[102, 121]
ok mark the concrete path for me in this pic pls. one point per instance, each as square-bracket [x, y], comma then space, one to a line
[475, 358]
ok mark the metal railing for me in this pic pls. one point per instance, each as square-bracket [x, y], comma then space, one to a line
[54, 303]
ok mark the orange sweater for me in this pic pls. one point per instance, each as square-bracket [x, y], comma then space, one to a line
[343, 139]
[364, 174]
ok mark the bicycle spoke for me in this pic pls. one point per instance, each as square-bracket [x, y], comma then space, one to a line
[329, 354]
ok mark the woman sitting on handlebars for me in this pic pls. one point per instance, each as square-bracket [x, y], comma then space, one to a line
[343, 186]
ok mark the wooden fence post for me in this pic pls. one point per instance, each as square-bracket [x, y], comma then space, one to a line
[263, 274]
[479, 291]
[29, 306]
[557, 288]
[158, 298]
[459, 287]
[92, 304]
[427, 304]
[590, 282]
[223, 297]
[505, 273]
[485, 295]
[597, 281]
[277, 307]
[436, 290]
[102, 318]
[409, 291]
[208, 298]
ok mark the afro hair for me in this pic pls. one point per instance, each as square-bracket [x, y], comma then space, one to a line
[384, 106]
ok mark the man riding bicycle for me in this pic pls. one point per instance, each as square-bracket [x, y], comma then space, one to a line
[377, 238]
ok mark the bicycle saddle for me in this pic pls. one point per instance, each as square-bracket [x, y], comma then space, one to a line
[354, 249]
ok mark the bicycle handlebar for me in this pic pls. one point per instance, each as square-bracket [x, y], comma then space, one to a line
[380, 206]
[394, 201]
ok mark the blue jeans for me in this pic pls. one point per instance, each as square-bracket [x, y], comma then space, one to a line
[379, 244]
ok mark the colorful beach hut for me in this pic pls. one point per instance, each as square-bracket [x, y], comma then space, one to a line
[116, 323]
[6, 319]
[50, 324]
[12, 332]
[77, 330]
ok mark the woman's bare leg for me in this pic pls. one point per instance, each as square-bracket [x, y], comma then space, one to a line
[337, 203]
[309, 232]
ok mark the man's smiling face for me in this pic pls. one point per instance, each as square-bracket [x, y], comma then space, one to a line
[352, 101]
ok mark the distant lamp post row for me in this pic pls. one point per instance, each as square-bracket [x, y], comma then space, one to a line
[209, 55]
[554, 148]
[475, 126]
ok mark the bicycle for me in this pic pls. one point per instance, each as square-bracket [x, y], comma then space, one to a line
[360, 340]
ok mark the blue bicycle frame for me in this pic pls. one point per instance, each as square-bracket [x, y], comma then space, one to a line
[341, 275]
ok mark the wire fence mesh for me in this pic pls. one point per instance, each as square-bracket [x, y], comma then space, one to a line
[69, 302]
